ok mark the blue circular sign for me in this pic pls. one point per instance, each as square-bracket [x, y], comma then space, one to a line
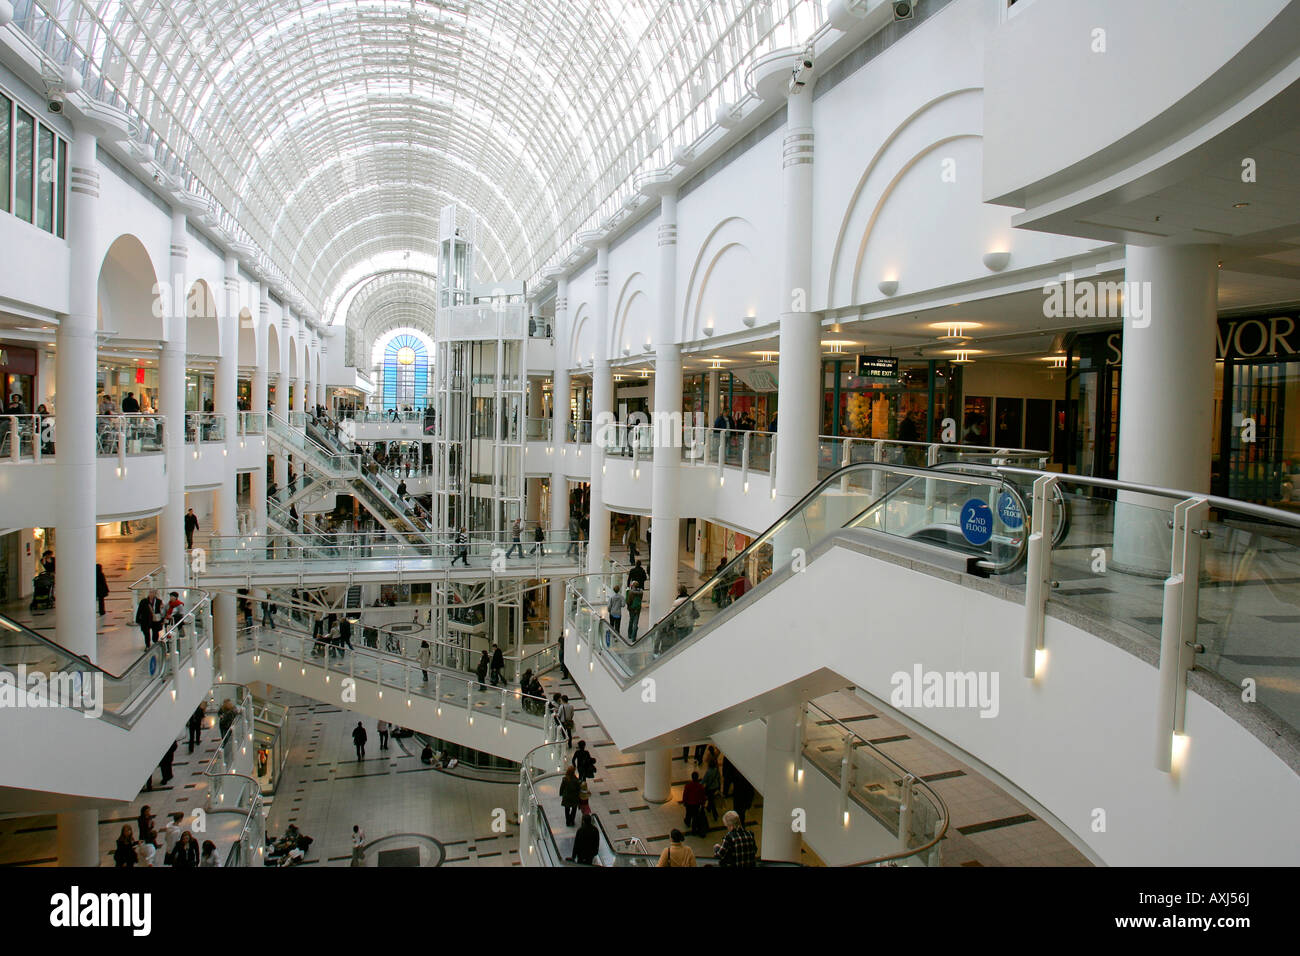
[153, 665]
[608, 639]
[1009, 511]
[976, 521]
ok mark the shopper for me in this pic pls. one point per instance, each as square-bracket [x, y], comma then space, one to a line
[742, 794]
[149, 617]
[637, 575]
[382, 727]
[677, 853]
[583, 762]
[209, 856]
[101, 587]
[712, 786]
[564, 716]
[462, 548]
[359, 844]
[615, 607]
[186, 854]
[516, 531]
[586, 843]
[195, 727]
[165, 765]
[124, 853]
[694, 797]
[191, 525]
[359, 740]
[268, 613]
[635, 598]
[498, 665]
[737, 847]
[424, 657]
[480, 671]
[569, 788]
[539, 541]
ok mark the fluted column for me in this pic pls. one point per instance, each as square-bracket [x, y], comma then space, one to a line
[258, 387]
[602, 416]
[171, 386]
[74, 614]
[559, 433]
[225, 508]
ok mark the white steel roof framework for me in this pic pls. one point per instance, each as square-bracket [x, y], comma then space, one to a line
[332, 131]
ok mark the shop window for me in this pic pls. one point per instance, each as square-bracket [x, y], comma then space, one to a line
[24, 153]
[45, 177]
[975, 420]
[1038, 424]
[1007, 432]
[6, 148]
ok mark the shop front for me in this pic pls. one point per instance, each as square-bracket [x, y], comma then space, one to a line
[18, 373]
[117, 380]
[882, 397]
[1256, 423]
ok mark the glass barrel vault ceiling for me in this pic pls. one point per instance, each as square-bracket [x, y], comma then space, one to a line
[332, 131]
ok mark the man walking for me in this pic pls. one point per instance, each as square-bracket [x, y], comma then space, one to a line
[516, 530]
[191, 525]
[462, 547]
[359, 740]
[382, 727]
[268, 614]
[634, 598]
[149, 617]
[498, 665]
[616, 610]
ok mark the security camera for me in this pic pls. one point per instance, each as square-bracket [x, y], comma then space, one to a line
[54, 103]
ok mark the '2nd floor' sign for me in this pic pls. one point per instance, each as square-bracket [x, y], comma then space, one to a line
[976, 522]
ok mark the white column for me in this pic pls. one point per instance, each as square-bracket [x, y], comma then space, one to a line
[171, 385]
[602, 413]
[713, 411]
[533, 486]
[1166, 402]
[282, 402]
[300, 383]
[224, 505]
[665, 517]
[658, 786]
[798, 395]
[74, 614]
[780, 789]
[559, 432]
[257, 405]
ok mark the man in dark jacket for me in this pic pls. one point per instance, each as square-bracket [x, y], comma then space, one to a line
[498, 665]
[149, 617]
[586, 843]
[191, 525]
[359, 740]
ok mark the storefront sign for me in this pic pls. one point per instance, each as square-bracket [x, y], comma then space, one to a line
[877, 367]
[1275, 337]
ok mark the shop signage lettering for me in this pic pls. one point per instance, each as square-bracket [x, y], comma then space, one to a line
[1275, 338]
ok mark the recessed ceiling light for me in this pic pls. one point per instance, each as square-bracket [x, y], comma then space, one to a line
[1240, 205]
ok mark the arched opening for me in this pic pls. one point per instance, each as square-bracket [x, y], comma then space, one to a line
[404, 358]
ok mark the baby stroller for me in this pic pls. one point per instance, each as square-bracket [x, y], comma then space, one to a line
[43, 591]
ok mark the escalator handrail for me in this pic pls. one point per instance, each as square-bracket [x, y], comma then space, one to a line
[725, 575]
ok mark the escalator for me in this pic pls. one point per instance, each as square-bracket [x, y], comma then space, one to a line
[916, 511]
[346, 473]
[957, 521]
[55, 702]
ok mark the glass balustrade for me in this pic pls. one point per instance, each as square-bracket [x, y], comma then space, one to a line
[129, 435]
[26, 437]
[204, 427]
[908, 503]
